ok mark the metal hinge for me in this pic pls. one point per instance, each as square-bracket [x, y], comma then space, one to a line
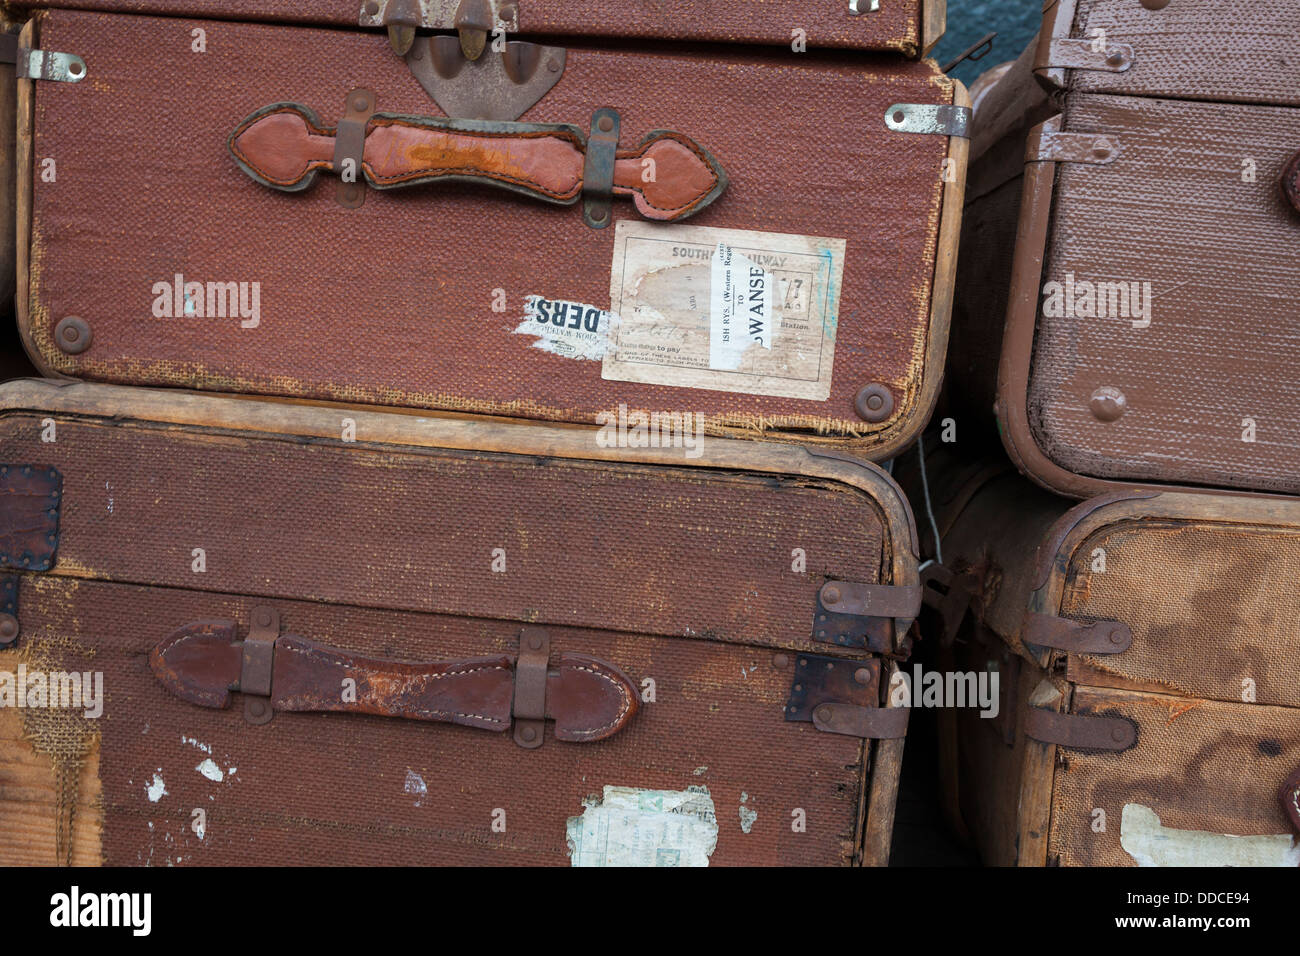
[1075, 637]
[841, 696]
[929, 120]
[473, 20]
[1083, 54]
[41, 64]
[257, 664]
[1054, 146]
[864, 615]
[500, 86]
[1080, 731]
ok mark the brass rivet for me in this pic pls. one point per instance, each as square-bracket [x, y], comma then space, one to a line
[72, 334]
[1108, 404]
[875, 403]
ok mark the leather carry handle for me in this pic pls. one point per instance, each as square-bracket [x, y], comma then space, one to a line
[1289, 797]
[284, 146]
[203, 662]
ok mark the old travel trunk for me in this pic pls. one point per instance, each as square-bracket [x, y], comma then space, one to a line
[1146, 651]
[335, 635]
[1136, 231]
[557, 227]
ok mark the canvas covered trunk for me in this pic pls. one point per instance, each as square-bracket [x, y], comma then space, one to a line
[1134, 220]
[340, 636]
[1145, 648]
[551, 231]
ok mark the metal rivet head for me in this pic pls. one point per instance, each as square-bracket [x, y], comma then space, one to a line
[535, 642]
[823, 713]
[831, 594]
[1102, 149]
[263, 617]
[598, 215]
[72, 334]
[1118, 734]
[875, 403]
[862, 675]
[257, 708]
[8, 628]
[553, 65]
[372, 8]
[528, 734]
[1116, 636]
[1116, 59]
[605, 124]
[1155, 4]
[360, 104]
[1108, 404]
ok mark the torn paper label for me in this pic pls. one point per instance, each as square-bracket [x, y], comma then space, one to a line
[1150, 843]
[570, 329]
[632, 827]
[740, 308]
[724, 309]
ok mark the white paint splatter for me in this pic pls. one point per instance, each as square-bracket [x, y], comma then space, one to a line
[747, 816]
[196, 743]
[156, 790]
[415, 785]
[700, 771]
[210, 770]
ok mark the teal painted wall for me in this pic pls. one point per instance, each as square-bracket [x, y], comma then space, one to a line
[1015, 22]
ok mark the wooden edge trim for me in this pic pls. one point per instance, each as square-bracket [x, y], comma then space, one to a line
[882, 800]
[23, 208]
[1058, 24]
[1036, 784]
[902, 434]
[934, 24]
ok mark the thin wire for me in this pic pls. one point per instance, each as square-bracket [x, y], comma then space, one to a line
[929, 509]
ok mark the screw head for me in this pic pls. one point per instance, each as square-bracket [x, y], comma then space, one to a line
[1108, 404]
[72, 334]
[875, 403]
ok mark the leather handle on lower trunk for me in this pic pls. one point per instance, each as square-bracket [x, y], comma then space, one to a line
[587, 699]
[668, 175]
[1291, 182]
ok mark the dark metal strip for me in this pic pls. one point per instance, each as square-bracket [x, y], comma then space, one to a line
[1080, 731]
[1075, 637]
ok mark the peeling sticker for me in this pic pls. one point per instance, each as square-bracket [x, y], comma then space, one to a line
[156, 790]
[210, 770]
[747, 816]
[1150, 843]
[724, 309]
[415, 785]
[632, 827]
[568, 329]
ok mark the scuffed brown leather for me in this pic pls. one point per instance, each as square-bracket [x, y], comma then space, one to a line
[587, 698]
[284, 145]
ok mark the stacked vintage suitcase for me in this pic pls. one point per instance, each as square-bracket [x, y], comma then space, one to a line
[1133, 214]
[334, 631]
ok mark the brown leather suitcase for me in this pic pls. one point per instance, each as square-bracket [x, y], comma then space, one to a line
[332, 635]
[1132, 226]
[1146, 654]
[767, 235]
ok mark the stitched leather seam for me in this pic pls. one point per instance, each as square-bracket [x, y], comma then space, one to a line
[622, 689]
[312, 165]
[436, 172]
[699, 154]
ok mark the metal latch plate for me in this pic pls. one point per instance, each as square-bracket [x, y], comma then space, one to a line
[41, 64]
